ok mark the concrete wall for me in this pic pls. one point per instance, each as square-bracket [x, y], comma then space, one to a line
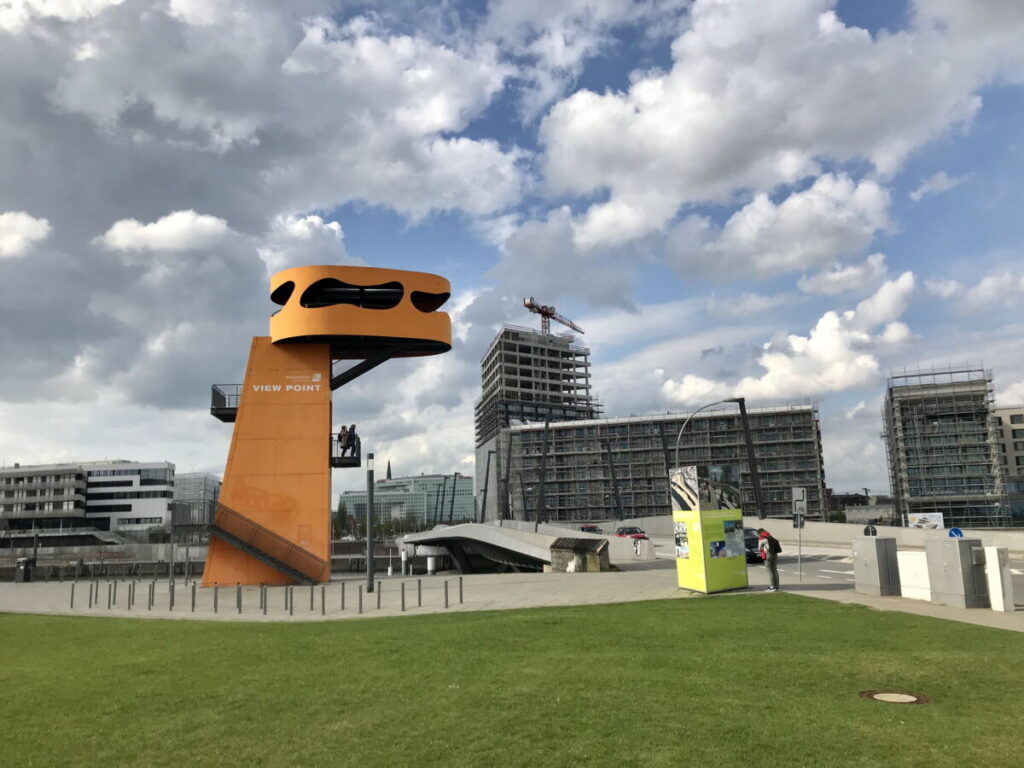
[841, 534]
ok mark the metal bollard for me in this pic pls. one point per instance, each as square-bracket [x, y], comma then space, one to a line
[291, 602]
[446, 593]
[360, 598]
[323, 601]
[419, 593]
[109, 593]
[216, 595]
[170, 604]
[265, 596]
[97, 593]
[193, 597]
[380, 588]
[238, 596]
[115, 592]
[311, 586]
[72, 595]
[403, 597]
[90, 594]
[460, 590]
[343, 595]
[261, 597]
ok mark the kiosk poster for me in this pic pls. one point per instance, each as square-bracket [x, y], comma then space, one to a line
[683, 487]
[734, 546]
[701, 488]
[682, 541]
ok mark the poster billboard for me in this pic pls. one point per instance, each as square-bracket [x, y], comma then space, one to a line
[933, 521]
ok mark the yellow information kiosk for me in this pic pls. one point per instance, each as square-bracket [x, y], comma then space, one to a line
[708, 527]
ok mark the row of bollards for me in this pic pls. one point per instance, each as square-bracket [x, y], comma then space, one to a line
[264, 596]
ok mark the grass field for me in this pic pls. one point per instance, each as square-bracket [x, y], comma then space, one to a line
[770, 680]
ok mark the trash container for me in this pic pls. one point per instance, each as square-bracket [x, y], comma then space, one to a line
[23, 570]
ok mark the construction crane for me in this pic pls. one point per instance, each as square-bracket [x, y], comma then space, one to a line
[547, 314]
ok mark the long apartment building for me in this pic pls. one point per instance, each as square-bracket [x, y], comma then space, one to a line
[601, 469]
[116, 496]
[942, 446]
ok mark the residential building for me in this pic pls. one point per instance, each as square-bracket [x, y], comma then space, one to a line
[601, 469]
[940, 438]
[416, 503]
[1009, 426]
[68, 503]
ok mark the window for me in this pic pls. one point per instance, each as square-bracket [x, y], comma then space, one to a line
[1017, 418]
[1018, 433]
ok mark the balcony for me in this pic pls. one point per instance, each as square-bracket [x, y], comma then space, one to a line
[346, 456]
[224, 400]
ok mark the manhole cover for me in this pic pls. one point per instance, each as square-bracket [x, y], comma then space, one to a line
[895, 697]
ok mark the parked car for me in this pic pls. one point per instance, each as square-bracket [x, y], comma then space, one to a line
[591, 529]
[630, 532]
[750, 544]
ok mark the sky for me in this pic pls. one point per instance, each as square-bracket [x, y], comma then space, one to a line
[785, 201]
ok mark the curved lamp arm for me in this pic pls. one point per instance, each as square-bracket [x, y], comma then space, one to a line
[694, 413]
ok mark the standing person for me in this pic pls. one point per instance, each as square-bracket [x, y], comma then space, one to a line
[351, 443]
[770, 549]
[869, 529]
[343, 439]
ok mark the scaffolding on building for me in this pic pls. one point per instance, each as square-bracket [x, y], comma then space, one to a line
[941, 446]
[603, 469]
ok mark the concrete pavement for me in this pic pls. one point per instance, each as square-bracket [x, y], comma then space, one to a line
[826, 576]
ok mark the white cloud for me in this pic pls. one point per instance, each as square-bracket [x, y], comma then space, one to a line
[693, 389]
[15, 15]
[293, 241]
[1001, 288]
[840, 279]
[1012, 395]
[836, 355]
[19, 231]
[935, 185]
[748, 304]
[944, 289]
[177, 231]
[833, 217]
[757, 95]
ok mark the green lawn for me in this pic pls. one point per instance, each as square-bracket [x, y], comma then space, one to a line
[738, 680]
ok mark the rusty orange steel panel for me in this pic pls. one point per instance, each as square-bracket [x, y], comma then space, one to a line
[278, 472]
[362, 311]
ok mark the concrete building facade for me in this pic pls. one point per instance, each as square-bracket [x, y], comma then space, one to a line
[416, 503]
[68, 504]
[602, 469]
[942, 447]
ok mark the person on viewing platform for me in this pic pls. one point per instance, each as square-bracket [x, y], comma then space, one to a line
[350, 441]
[343, 439]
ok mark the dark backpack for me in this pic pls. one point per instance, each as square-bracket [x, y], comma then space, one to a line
[774, 547]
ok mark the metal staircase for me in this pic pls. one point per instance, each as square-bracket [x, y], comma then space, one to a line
[274, 550]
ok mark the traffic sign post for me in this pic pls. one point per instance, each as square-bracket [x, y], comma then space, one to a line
[799, 496]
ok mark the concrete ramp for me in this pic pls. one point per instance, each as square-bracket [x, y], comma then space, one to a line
[476, 547]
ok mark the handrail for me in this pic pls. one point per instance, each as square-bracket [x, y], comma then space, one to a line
[271, 544]
[225, 396]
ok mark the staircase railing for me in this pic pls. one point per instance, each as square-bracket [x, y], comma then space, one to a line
[271, 544]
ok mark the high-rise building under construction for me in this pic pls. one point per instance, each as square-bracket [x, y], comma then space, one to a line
[940, 438]
[530, 376]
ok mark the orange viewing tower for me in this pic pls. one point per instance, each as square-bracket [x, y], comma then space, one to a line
[272, 523]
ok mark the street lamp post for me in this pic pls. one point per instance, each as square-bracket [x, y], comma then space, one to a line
[369, 522]
[755, 479]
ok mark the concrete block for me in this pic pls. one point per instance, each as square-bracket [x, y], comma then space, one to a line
[875, 567]
[956, 571]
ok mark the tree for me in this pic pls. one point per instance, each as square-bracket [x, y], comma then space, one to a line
[340, 522]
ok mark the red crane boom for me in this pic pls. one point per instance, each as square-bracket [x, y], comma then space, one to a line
[547, 314]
